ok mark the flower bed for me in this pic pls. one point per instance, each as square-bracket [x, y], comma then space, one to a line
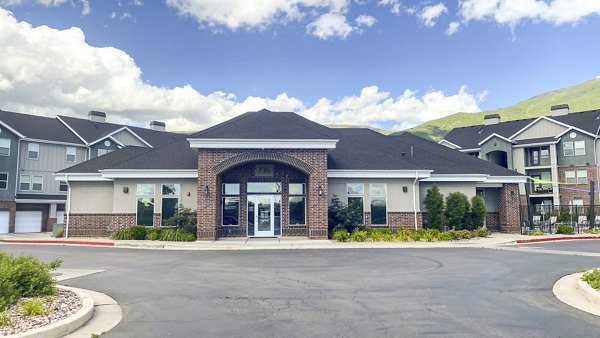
[592, 277]
[405, 235]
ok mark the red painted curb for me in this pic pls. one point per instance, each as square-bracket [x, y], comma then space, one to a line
[50, 241]
[552, 239]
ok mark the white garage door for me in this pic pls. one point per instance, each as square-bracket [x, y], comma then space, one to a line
[28, 221]
[4, 217]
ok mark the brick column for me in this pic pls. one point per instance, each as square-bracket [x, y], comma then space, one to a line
[11, 206]
[509, 208]
[317, 204]
[207, 202]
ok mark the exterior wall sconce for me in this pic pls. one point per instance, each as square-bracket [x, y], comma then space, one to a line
[320, 191]
[189, 194]
[125, 190]
[206, 191]
[404, 189]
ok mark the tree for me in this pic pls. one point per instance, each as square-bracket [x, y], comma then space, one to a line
[457, 210]
[341, 216]
[478, 212]
[184, 218]
[434, 203]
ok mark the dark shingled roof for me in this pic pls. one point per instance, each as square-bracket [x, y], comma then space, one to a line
[469, 137]
[265, 124]
[39, 127]
[92, 131]
[106, 161]
[175, 155]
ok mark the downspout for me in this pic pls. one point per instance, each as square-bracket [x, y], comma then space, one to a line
[415, 197]
[68, 205]
[17, 172]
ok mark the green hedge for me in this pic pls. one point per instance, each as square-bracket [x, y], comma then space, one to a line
[405, 235]
[24, 276]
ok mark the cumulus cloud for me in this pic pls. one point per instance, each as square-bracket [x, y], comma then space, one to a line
[394, 5]
[329, 25]
[374, 107]
[512, 12]
[47, 71]
[429, 14]
[85, 4]
[452, 28]
[365, 20]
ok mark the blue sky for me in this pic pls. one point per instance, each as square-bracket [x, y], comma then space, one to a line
[201, 64]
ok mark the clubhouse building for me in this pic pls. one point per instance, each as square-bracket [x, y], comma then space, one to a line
[270, 174]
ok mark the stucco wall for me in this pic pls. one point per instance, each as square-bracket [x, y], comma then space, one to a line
[580, 160]
[497, 144]
[397, 200]
[91, 197]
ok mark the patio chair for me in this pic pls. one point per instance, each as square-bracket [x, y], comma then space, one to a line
[582, 222]
[537, 222]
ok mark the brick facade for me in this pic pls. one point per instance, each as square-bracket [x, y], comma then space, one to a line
[492, 221]
[210, 161]
[508, 207]
[567, 195]
[98, 225]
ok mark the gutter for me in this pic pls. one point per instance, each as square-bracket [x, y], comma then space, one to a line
[17, 172]
[415, 198]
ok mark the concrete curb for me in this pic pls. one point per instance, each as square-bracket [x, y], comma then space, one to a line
[553, 239]
[572, 291]
[57, 241]
[67, 325]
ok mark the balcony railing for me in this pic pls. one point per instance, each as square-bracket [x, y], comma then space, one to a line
[540, 189]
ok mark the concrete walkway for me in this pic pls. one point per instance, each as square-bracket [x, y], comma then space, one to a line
[495, 240]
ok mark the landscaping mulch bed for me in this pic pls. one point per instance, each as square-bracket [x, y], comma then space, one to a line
[64, 305]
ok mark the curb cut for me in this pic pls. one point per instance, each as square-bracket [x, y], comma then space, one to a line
[574, 292]
[555, 239]
[58, 242]
[67, 325]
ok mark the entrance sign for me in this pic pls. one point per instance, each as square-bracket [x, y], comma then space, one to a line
[263, 170]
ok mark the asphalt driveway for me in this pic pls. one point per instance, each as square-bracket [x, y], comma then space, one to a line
[343, 293]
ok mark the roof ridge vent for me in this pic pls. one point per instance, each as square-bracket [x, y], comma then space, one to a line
[491, 119]
[559, 110]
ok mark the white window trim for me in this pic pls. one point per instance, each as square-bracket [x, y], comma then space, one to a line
[21, 182]
[6, 180]
[572, 148]
[67, 155]
[567, 173]
[575, 147]
[42, 183]
[37, 152]
[9, 146]
[137, 190]
[153, 209]
[577, 176]
[223, 206]
[384, 186]
[60, 184]
[178, 193]
[361, 194]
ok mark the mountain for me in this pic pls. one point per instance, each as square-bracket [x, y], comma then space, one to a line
[382, 131]
[580, 97]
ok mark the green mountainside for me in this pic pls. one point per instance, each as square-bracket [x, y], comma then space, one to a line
[382, 131]
[580, 97]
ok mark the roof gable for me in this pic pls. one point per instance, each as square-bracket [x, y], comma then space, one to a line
[39, 128]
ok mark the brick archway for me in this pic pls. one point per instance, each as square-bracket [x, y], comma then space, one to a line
[267, 156]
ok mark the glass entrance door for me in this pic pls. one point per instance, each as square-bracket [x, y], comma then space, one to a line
[263, 215]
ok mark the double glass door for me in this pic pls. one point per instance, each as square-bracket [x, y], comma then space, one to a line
[264, 215]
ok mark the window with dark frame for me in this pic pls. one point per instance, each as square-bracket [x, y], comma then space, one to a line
[62, 186]
[170, 200]
[230, 205]
[3, 181]
[297, 203]
[378, 196]
[354, 192]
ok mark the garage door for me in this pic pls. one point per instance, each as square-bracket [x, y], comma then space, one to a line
[4, 217]
[28, 221]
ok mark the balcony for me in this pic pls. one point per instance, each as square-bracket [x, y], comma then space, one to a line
[537, 157]
[541, 189]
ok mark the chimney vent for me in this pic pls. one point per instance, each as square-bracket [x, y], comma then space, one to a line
[157, 125]
[559, 110]
[97, 116]
[491, 119]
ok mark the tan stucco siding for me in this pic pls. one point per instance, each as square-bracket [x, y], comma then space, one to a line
[542, 128]
[91, 197]
[127, 202]
[467, 188]
[519, 160]
[397, 200]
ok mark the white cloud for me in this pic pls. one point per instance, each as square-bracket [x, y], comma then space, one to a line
[452, 28]
[365, 20]
[374, 107]
[429, 14]
[329, 25]
[47, 71]
[512, 12]
[85, 4]
[393, 4]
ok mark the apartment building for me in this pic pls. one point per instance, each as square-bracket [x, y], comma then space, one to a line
[559, 152]
[33, 148]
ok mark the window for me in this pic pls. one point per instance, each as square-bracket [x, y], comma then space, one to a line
[71, 154]
[145, 204]
[576, 148]
[230, 208]
[4, 147]
[36, 183]
[3, 181]
[103, 152]
[355, 200]
[297, 200]
[25, 184]
[170, 200]
[33, 151]
[378, 193]
[576, 177]
[545, 153]
[267, 188]
[62, 186]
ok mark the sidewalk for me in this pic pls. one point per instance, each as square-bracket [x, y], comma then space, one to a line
[494, 240]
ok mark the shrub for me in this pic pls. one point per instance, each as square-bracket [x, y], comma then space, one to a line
[429, 237]
[343, 216]
[452, 234]
[33, 307]
[137, 232]
[457, 210]
[153, 234]
[595, 231]
[481, 232]
[122, 235]
[565, 230]
[358, 235]
[177, 235]
[592, 278]
[434, 204]
[445, 236]
[478, 212]
[537, 232]
[25, 276]
[341, 235]
[58, 230]
[464, 234]
[416, 236]
[5, 320]
[184, 219]
[403, 235]
[564, 216]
